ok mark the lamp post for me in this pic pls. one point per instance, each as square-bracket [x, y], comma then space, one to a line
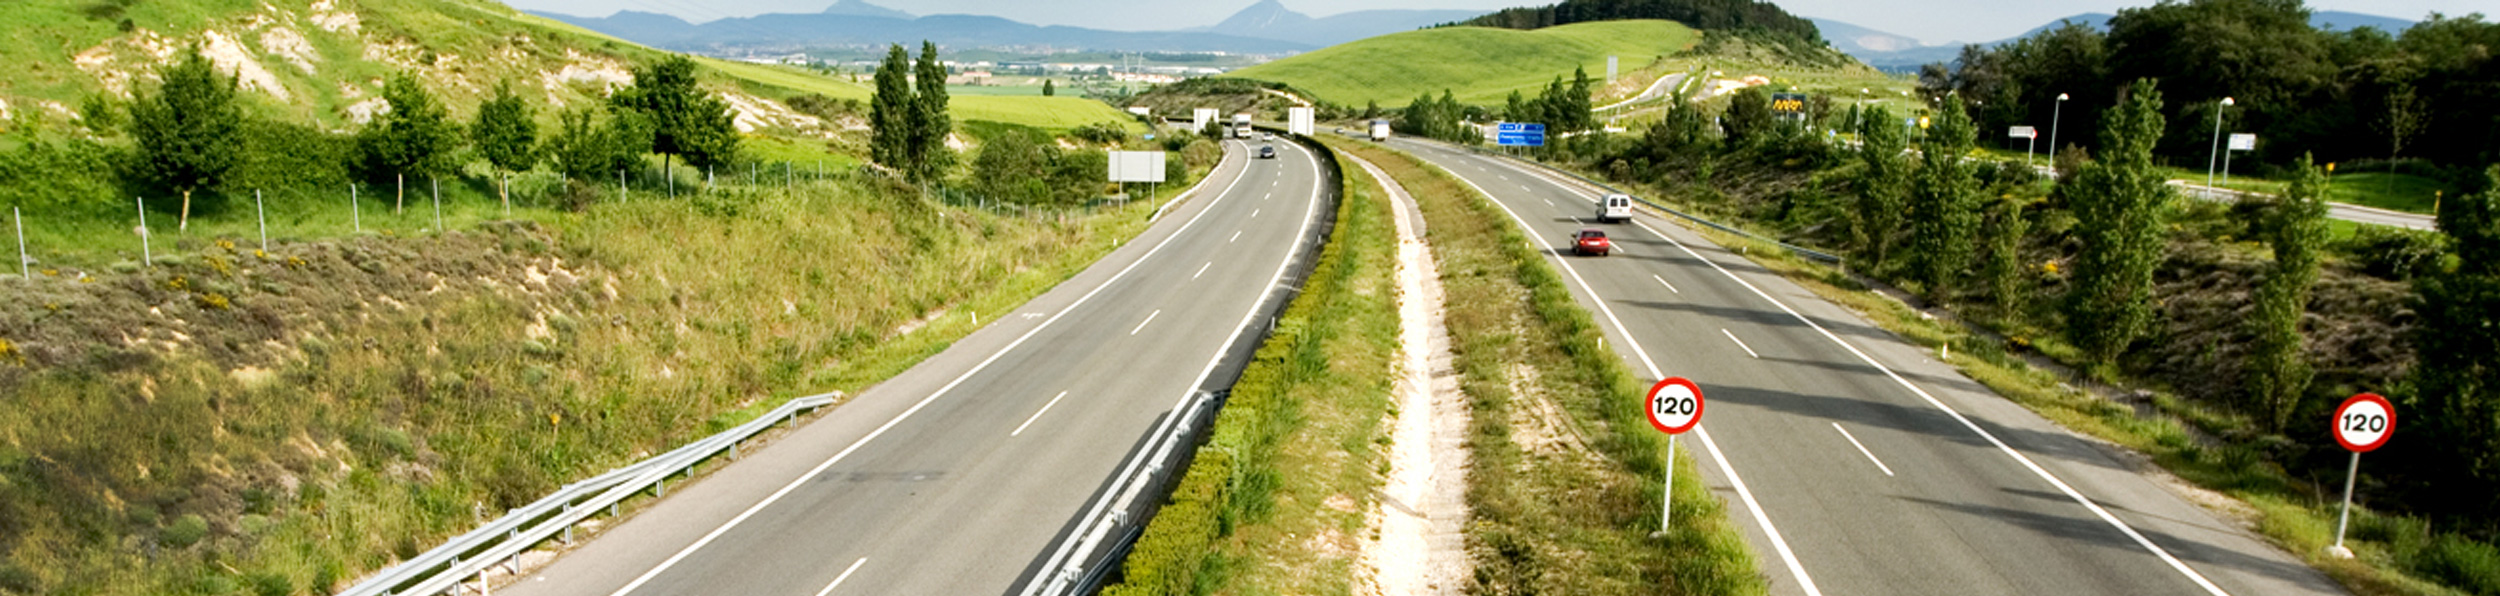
[2215, 158]
[2055, 114]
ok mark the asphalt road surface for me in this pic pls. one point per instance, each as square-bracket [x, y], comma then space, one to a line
[960, 474]
[1856, 462]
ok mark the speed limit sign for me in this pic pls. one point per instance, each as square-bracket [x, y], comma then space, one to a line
[1674, 405]
[2363, 423]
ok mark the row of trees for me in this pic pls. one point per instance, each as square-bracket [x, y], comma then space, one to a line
[2362, 93]
[1560, 108]
[187, 132]
[909, 123]
[1439, 118]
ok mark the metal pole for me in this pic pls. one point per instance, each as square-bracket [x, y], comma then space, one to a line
[2345, 518]
[2028, 146]
[620, 185]
[1666, 505]
[23, 270]
[261, 212]
[2217, 150]
[438, 203]
[355, 213]
[2226, 167]
[2055, 114]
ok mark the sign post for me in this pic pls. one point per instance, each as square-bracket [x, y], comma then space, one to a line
[2031, 138]
[2362, 425]
[1674, 407]
[1789, 105]
[1519, 134]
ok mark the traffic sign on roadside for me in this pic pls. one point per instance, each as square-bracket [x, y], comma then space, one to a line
[2362, 425]
[1519, 134]
[1674, 407]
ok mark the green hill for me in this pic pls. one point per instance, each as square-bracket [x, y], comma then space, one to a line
[1482, 65]
[323, 61]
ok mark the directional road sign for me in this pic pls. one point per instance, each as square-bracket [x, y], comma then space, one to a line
[2023, 132]
[1519, 134]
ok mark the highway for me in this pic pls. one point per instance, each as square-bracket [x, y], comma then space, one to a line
[961, 474]
[1856, 462]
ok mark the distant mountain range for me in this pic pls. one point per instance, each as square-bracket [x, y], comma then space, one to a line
[1266, 27]
[1896, 53]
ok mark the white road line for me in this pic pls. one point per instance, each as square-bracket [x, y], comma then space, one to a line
[1663, 281]
[1236, 236]
[1504, 178]
[2043, 473]
[1141, 325]
[1548, 203]
[837, 580]
[924, 402]
[1202, 270]
[1740, 343]
[1037, 414]
[1870, 455]
[1788, 556]
[1254, 214]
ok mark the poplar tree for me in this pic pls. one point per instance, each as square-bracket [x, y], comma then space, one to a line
[2005, 231]
[2278, 372]
[930, 122]
[2120, 204]
[1882, 188]
[889, 112]
[186, 133]
[1944, 204]
[505, 134]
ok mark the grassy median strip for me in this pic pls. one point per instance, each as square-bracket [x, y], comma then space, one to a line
[1275, 501]
[1565, 485]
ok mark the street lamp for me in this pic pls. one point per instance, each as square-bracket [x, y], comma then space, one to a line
[2213, 159]
[2054, 115]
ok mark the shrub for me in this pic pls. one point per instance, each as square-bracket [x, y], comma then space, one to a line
[1105, 133]
[1167, 560]
[186, 531]
[2470, 566]
[2394, 253]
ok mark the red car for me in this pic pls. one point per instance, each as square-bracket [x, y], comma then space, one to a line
[1591, 241]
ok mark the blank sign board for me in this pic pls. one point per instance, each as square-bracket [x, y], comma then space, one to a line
[1136, 166]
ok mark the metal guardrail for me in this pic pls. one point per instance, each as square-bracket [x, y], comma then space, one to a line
[502, 541]
[1799, 250]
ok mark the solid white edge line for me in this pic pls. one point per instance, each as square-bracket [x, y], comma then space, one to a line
[2009, 451]
[794, 484]
[1141, 325]
[1788, 556]
[1202, 270]
[1663, 281]
[846, 574]
[1870, 455]
[1058, 557]
[1740, 343]
[1037, 414]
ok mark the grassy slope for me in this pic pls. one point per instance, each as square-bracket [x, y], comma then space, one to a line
[1481, 65]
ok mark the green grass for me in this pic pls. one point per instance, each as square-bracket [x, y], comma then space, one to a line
[1565, 507]
[2397, 192]
[1481, 65]
[1049, 113]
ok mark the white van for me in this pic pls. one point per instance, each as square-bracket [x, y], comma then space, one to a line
[1614, 208]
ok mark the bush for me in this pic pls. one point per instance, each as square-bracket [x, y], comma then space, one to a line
[1167, 559]
[186, 531]
[1106, 133]
[820, 106]
[2470, 566]
[2394, 253]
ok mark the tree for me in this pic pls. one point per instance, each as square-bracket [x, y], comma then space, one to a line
[2278, 372]
[416, 137]
[1049, 89]
[1371, 109]
[2455, 397]
[1576, 105]
[186, 132]
[2404, 121]
[2120, 203]
[686, 122]
[1944, 203]
[2005, 232]
[1748, 117]
[1516, 108]
[1883, 188]
[930, 123]
[889, 112]
[505, 134]
[1681, 131]
[585, 150]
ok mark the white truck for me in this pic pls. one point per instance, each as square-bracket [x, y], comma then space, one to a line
[1380, 130]
[1241, 126]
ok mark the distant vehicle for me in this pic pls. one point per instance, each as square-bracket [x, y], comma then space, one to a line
[1614, 208]
[1267, 136]
[1267, 152]
[1241, 125]
[1380, 130]
[1591, 241]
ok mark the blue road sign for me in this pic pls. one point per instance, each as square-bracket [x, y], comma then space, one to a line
[1519, 134]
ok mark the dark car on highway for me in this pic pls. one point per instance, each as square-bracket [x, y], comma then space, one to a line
[1267, 152]
[1591, 241]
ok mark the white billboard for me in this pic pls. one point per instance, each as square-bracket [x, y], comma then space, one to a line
[2243, 142]
[1136, 166]
[1300, 121]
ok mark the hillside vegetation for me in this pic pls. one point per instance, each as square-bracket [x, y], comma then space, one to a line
[1482, 65]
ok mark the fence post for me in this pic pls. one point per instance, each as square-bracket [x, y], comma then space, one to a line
[23, 270]
[145, 256]
[355, 213]
[260, 212]
[620, 185]
[438, 204]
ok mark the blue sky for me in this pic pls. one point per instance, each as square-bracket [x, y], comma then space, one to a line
[1932, 21]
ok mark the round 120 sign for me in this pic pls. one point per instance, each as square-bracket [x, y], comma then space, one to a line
[2363, 423]
[1674, 405]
